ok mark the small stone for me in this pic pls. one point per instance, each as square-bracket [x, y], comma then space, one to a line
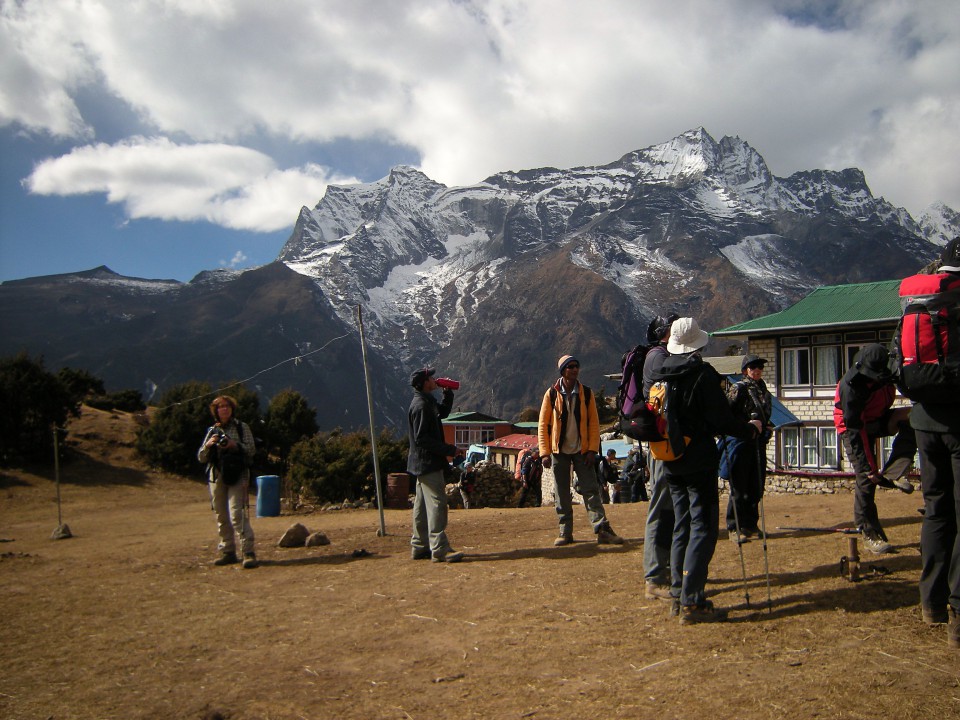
[295, 536]
[316, 539]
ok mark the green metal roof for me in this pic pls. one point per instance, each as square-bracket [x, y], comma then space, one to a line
[466, 418]
[831, 306]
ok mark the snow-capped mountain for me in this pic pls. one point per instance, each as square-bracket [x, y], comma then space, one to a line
[693, 225]
[940, 224]
[491, 282]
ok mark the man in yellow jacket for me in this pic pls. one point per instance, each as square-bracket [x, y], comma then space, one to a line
[569, 436]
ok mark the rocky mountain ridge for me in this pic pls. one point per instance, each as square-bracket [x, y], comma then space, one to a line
[491, 282]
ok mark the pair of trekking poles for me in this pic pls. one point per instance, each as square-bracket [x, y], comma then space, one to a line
[763, 533]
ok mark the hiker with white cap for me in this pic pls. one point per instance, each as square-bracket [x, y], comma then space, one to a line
[698, 410]
[568, 435]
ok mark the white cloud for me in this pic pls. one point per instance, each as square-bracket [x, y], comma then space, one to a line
[231, 186]
[489, 85]
[236, 261]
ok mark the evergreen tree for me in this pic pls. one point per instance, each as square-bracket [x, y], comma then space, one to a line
[33, 402]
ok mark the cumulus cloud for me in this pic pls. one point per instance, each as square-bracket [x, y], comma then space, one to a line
[487, 85]
[227, 185]
[236, 261]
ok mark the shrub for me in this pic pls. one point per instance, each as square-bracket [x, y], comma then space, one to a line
[34, 401]
[123, 400]
[80, 383]
[177, 429]
[289, 419]
[333, 466]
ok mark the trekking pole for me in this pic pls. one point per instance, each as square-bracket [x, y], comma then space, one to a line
[736, 522]
[763, 528]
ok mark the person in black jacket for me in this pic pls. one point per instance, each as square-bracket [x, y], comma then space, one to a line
[937, 426]
[427, 461]
[702, 412]
[658, 532]
[747, 460]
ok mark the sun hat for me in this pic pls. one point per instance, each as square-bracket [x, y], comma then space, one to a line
[686, 336]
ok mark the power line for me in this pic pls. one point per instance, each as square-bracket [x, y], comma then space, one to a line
[296, 359]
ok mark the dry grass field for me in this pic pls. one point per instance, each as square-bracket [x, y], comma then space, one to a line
[129, 618]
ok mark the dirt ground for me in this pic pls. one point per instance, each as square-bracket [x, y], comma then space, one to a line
[129, 618]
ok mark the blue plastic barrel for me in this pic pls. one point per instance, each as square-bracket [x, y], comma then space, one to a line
[268, 496]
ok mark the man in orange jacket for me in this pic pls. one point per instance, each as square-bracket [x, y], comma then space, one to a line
[569, 436]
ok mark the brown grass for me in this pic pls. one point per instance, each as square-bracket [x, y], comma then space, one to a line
[128, 619]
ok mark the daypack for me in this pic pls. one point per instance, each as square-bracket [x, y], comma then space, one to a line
[521, 458]
[636, 420]
[927, 341]
[662, 405]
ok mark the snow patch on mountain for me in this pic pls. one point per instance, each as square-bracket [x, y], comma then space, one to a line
[635, 265]
[940, 223]
[756, 256]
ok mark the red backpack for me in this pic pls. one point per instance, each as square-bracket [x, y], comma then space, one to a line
[928, 338]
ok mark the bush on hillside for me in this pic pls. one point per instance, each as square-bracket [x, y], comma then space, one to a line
[288, 420]
[80, 383]
[34, 401]
[125, 400]
[335, 466]
[178, 427]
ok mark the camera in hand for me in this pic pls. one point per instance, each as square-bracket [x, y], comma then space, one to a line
[447, 383]
[222, 439]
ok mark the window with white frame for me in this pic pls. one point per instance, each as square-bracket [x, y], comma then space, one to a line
[467, 435]
[819, 361]
[827, 364]
[812, 448]
[795, 366]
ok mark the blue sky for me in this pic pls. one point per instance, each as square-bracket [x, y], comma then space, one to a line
[166, 137]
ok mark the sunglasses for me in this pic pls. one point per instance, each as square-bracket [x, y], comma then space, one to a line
[572, 366]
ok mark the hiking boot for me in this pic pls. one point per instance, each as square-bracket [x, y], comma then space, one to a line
[674, 607]
[953, 628]
[563, 540]
[737, 540]
[226, 558]
[903, 485]
[897, 468]
[873, 542]
[448, 557]
[934, 616]
[656, 591]
[606, 536]
[250, 561]
[706, 613]
[419, 553]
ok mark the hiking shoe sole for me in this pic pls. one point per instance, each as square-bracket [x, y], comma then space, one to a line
[450, 557]
[608, 538]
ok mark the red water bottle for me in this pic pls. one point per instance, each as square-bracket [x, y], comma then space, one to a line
[447, 383]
